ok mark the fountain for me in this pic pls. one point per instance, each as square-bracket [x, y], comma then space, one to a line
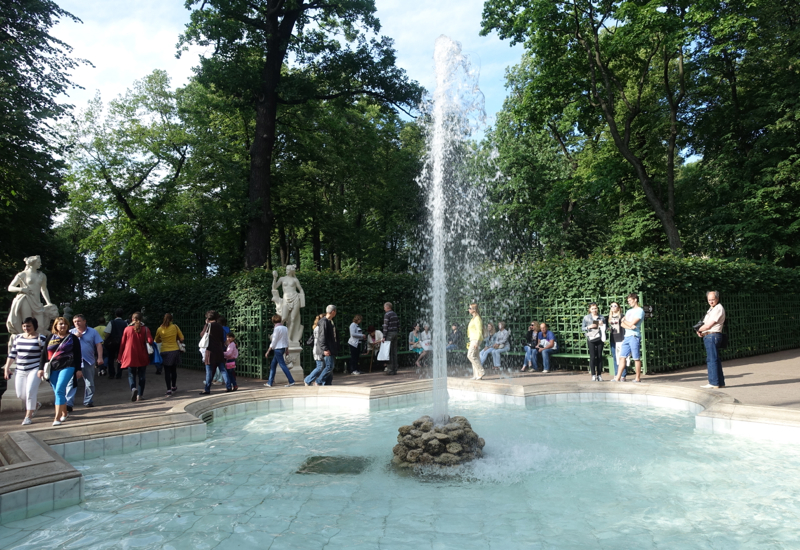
[451, 201]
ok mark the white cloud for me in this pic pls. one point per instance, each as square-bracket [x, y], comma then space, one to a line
[127, 40]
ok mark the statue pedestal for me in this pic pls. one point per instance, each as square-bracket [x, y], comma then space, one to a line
[292, 357]
[11, 401]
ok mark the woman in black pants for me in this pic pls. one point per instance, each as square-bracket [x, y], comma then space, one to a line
[355, 338]
[594, 327]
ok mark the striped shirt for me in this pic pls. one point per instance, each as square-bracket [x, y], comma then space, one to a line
[391, 322]
[27, 351]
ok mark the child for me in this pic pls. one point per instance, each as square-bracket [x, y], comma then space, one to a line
[231, 353]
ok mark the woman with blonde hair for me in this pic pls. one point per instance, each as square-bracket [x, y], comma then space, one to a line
[356, 336]
[63, 352]
[170, 337]
[134, 355]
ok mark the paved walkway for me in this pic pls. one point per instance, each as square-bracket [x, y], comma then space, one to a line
[771, 380]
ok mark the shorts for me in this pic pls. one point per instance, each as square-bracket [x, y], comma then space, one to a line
[631, 345]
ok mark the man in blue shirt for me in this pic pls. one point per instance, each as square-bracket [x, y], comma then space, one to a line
[631, 345]
[91, 352]
[545, 346]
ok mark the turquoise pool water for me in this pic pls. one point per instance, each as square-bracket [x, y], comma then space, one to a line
[592, 475]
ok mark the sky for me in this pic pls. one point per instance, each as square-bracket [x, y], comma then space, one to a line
[126, 40]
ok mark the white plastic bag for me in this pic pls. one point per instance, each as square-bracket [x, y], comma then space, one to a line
[383, 354]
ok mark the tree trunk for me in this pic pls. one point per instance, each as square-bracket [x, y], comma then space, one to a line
[316, 247]
[283, 245]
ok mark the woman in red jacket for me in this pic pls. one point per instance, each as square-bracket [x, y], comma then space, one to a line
[133, 354]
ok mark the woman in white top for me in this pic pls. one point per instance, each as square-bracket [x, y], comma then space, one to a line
[26, 351]
[355, 338]
[280, 343]
[427, 343]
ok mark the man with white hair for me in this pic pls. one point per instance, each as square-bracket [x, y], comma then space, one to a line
[711, 333]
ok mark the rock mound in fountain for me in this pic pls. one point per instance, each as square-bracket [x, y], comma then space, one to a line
[423, 443]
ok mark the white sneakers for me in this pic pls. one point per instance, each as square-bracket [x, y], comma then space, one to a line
[709, 387]
[26, 421]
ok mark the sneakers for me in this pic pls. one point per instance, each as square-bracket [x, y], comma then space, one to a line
[169, 393]
[56, 423]
[599, 377]
[710, 387]
[134, 394]
[174, 389]
[306, 383]
[594, 378]
[63, 418]
[637, 381]
[356, 372]
[139, 398]
[205, 393]
[268, 385]
[27, 420]
[292, 384]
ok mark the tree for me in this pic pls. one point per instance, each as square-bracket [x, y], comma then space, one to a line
[34, 71]
[617, 67]
[333, 56]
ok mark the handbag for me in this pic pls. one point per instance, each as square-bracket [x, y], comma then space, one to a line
[205, 339]
[181, 346]
[46, 374]
[149, 348]
[310, 341]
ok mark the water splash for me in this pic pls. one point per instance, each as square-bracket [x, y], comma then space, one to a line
[456, 111]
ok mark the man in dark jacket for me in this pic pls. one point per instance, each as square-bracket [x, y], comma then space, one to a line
[391, 329]
[114, 331]
[329, 342]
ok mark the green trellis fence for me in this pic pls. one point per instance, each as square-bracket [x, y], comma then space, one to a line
[756, 325]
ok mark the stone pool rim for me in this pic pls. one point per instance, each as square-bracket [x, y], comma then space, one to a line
[40, 474]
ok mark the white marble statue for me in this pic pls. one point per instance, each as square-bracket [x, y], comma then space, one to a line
[289, 306]
[29, 284]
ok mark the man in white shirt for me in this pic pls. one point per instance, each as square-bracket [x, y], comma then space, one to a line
[632, 344]
[711, 333]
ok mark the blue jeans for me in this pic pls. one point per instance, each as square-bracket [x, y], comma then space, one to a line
[545, 353]
[495, 353]
[316, 372]
[88, 380]
[529, 351]
[210, 375]
[133, 374]
[279, 360]
[328, 370]
[451, 347]
[59, 380]
[715, 376]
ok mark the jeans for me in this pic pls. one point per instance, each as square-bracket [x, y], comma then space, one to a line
[451, 347]
[329, 360]
[529, 351]
[391, 368]
[596, 356]
[279, 360]
[316, 372]
[88, 392]
[210, 375]
[715, 376]
[545, 353]
[133, 374]
[59, 380]
[27, 386]
[495, 352]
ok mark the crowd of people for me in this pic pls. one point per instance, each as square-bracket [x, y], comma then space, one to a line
[72, 354]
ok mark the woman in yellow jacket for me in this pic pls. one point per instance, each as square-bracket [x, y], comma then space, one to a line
[170, 337]
[474, 339]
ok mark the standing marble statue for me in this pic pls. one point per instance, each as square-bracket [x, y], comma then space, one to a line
[29, 284]
[289, 306]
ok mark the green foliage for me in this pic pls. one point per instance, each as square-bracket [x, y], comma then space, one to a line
[615, 275]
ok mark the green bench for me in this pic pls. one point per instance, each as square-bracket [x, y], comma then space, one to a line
[559, 355]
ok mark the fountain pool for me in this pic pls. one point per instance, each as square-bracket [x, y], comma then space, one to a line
[591, 475]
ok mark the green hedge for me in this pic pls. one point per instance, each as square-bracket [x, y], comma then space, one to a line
[188, 295]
